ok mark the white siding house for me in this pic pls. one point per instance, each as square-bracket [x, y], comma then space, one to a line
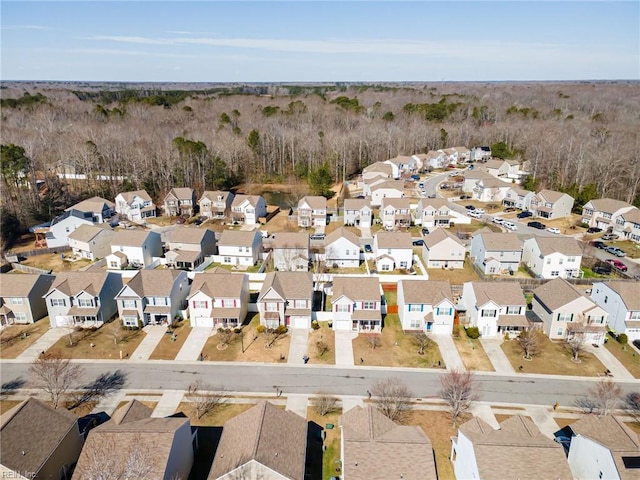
[550, 204]
[216, 204]
[606, 213]
[356, 304]
[135, 206]
[248, 209]
[312, 211]
[426, 305]
[91, 241]
[496, 253]
[386, 189]
[395, 212]
[551, 257]
[63, 225]
[134, 247]
[342, 248]
[291, 251]
[433, 213]
[357, 212]
[286, 299]
[393, 250]
[621, 301]
[218, 299]
[239, 248]
[495, 307]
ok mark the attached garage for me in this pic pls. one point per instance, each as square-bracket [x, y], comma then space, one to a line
[202, 322]
[343, 324]
[300, 322]
[64, 320]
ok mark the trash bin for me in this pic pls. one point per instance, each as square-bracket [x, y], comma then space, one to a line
[305, 359]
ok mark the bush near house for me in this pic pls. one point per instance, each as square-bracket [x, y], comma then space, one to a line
[622, 338]
[472, 332]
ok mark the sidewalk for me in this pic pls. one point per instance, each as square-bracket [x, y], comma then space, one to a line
[543, 419]
[298, 346]
[109, 403]
[44, 343]
[168, 403]
[449, 352]
[194, 344]
[611, 362]
[154, 334]
[297, 403]
[483, 411]
[344, 348]
[496, 355]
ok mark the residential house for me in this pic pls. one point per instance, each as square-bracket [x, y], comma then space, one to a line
[442, 249]
[386, 189]
[62, 226]
[464, 154]
[133, 444]
[472, 177]
[434, 159]
[21, 297]
[263, 442]
[215, 204]
[631, 225]
[286, 299]
[550, 204]
[153, 297]
[248, 209]
[606, 213]
[401, 165]
[565, 312]
[371, 444]
[188, 247]
[496, 253]
[135, 206]
[395, 212]
[551, 257]
[426, 305]
[433, 212]
[291, 251]
[82, 299]
[490, 190]
[377, 170]
[101, 209]
[312, 211]
[393, 250]
[495, 307]
[91, 241]
[357, 212]
[239, 248]
[602, 447]
[480, 154]
[517, 449]
[39, 441]
[135, 248]
[497, 167]
[179, 201]
[356, 304]
[621, 301]
[518, 197]
[342, 249]
[219, 299]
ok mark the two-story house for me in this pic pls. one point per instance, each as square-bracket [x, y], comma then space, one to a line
[518, 197]
[434, 159]
[356, 304]
[393, 250]
[605, 213]
[82, 299]
[442, 249]
[180, 201]
[471, 178]
[342, 249]
[286, 299]
[188, 247]
[495, 307]
[134, 247]
[401, 164]
[433, 213]
[395, 212]
[63, 225]
[135, 206]
[565, 312]
[21, 297]
[496, 253]
[426, 305]
[91, 241]
[100, 208]
[248, 209]
[550, 204]
[490, 190]
[239, 248]
[357, 212]
[386, 189]
[219, 299]
[215, 204]
[621, 301]
[551, 257]
[291, 251]
[630, 224]
[376, 171]
[480, 154]
[153, 297]
[312, 211]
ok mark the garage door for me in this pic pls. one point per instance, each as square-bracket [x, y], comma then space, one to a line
[202, 322]
[63, 320]
[342, 325]
[300, 322]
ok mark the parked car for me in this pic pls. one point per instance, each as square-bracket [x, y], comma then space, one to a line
[470, 207]
[636, 343]
[538, 225]
[617, 264]
[599, 244]
[425, 231]
[474, 214]
[317, 236]
[465, 197]
[510, 209]
[609, 236]
[415, 177]
[480, 210]
[498, 220]
[602, 269]
[553, 230]
[418, 242]
[510, 226]
[368, 249]
[525, 214]
[615, 251]
[594, 230]
[181, 220]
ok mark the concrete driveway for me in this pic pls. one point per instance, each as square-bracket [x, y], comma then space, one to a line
[298, 346]
[344, 347]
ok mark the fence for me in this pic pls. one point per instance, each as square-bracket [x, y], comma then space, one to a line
[26, 269]
[39, 251]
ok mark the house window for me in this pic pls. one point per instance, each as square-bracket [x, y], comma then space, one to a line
[85, 302]
[560, 331]
[415, 323]
[598, 320]
[130, 321]
[129, 303]
[58, 302]
[368, 305]
[634, 315]
[20, 316]
[272, 307]
[113, 264]
[489, 313]
[385, 267]
[403, 264]
[200, 304]
[548, 261]
[443, 311]
[555, 273]
[415, 307]
[513, 310]
[300, 304]
[16, 301]
[341, 308]
[561, 261]
[565, 317]
[227, 259]
[606, 298]
[571, 259]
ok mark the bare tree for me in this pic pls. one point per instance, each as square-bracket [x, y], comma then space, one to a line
[392, 397]
[575, 344]
[423, 341]
[325, 404]
[374, 340]
[459, 392]
[632, 404]
[530, 342]
[225, 335]
[322, 347]
[55, 376]
[605, 395]
[204, 398]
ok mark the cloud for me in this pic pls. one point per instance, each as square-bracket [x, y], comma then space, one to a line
[24, 27]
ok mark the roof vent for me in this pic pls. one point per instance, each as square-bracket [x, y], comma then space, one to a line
[276, 454]
[23, 452]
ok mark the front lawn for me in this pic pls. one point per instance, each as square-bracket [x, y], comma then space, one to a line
[15, 339]
[215, 418]
[318, 339]
[170, 344]
[331, 455]
[625, 355]
[472, 353]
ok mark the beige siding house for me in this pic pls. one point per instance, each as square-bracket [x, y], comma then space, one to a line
[22, 297]
[91, 241]
[286, 299]
[442, 249]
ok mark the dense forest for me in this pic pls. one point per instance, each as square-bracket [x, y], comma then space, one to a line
[576, 136]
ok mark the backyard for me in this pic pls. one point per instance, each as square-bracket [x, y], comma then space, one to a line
[331, 456]
[15, 339]
[455, 276]
[171, 343]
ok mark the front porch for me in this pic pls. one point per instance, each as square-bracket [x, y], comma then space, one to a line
[366, 321]
[226, 318]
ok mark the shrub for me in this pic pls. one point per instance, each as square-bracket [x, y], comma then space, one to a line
[282, 329]
[315, 325]
[260, 328]
[237, 330]
[322, 347]
[622, 338]
[472, 332]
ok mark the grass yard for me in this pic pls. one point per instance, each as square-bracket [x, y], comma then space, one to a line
[15, 339]
[456, 276]
[55, 262]
[167, 349]
[395, 349]
[626, 355]
[331, 456]
[108, 341]
[391, 296]
[635, 426]
[217, 416]
[6, 405]
[554, 359]
[472, 353]
[326, 335]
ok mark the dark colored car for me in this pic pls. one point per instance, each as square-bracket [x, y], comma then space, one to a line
[367, 248]
[425, 231]
[599, 244]
[469, 207]
[602, 270]
[525, 214]
[594, 230]
[538, 225]
[636, 343]
[465, 197]
[418, 242]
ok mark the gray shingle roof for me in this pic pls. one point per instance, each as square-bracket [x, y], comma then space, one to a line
[502, 293]
[429, 292]
[564, 245]
[357, 288]
[72, 283]
[289, 285]
[85, 233]
[13, 285]
[394, 240]
[237, 238]
[153, 283]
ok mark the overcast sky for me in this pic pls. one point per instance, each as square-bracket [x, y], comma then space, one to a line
[269, 41]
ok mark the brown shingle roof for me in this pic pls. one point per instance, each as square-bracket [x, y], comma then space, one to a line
[556, 293]
[500, 241]
[131, 238]
[289, 285]
[342, 232]
[629, 293]
[266, 434]
[30, 432]
[550, 195]
[181, 193]
[129, 196]
[152, 283]
[85, 233]
[400, 203]
[357, 288]
[132, 411]
[375, 446]
[291, 240]
[438, 235]
[632, 216]
[214, 194]
[18, 285]
[237, 238]
[93, 204]
[502, 293]
[493, 182]
[356, 203]
[189, 235]
[565, 245]
[379, 167]
[72, 283]
[391, 184]
[316, 202]
[218, 285]
[435, 203]
[239, 199]
[394, 240]
[430, 292]
[608, 205]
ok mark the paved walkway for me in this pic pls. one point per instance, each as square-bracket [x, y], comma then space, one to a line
[483, 411]
[194, 344]
[297, 403]
[298, 345]
[449, 352]
[344, 348]
[610, 362]
[168, 403]
[109, 403]
[544, 421]
[496, 355]
[350, 401]
[154, 334]
[44, 343]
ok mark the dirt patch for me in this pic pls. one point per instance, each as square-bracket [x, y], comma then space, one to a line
[6, 405]
[217, 417]
[15, 339]
[472, 353]
[55, 262]
[167, 349]
[151, 405]
[564, 421]
[501, 417]
[327, 336]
